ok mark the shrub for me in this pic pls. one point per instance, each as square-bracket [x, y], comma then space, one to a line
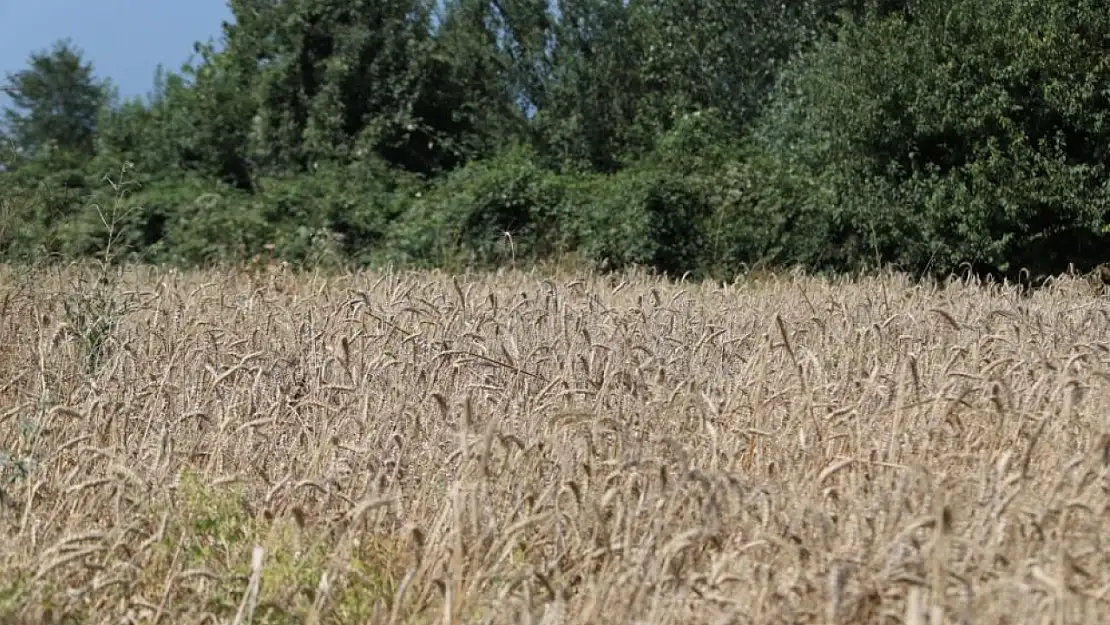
[487, 213]
[39, 199]
[960, 131]
[207, 224]
[648, 215]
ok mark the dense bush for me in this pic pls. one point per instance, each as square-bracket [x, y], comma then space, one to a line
[488, 213]
[846, 135]
[646, 216]
[958, 131]
[41, 199]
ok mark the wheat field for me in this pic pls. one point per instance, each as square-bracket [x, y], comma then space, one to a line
[267, 447]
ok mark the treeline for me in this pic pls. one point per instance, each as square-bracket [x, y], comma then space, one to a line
[702, 136]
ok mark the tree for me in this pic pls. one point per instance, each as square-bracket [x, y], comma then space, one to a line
[957, 131]
[492, 55]
[595, 85]
[336, 81]
[56, 101]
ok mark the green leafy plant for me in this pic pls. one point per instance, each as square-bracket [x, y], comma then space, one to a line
[94, 305]
[952, 132]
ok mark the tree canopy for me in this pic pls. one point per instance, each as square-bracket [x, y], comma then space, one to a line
[55, 101]
[702, 137]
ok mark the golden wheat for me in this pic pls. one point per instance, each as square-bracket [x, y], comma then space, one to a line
[401, 447]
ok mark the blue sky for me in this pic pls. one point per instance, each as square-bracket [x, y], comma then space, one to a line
[124, 39]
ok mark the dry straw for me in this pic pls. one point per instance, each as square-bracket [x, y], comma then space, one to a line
[401, 447]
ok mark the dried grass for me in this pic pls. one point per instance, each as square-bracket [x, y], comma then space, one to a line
[421, 448]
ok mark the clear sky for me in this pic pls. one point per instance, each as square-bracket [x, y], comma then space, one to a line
[124, 39]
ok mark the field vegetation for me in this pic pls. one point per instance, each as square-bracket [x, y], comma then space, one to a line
[415, 447]
[706, 137]
[273, 350]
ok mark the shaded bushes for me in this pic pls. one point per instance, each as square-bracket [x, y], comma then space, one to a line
[957, 132]
[951, 132]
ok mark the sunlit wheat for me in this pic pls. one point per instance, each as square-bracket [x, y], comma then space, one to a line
[396, 447]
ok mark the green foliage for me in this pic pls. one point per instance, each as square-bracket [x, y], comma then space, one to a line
[56, 100]
[339, 80]
[671, 211]
[339, 214]
[478, 87]
[961, 131]
[587, 107]
[702, 137]
[40, 196]
[649, 216]
[208, 224]
[720, 54]
[93, 308]
[197, 123]
[504, 210]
